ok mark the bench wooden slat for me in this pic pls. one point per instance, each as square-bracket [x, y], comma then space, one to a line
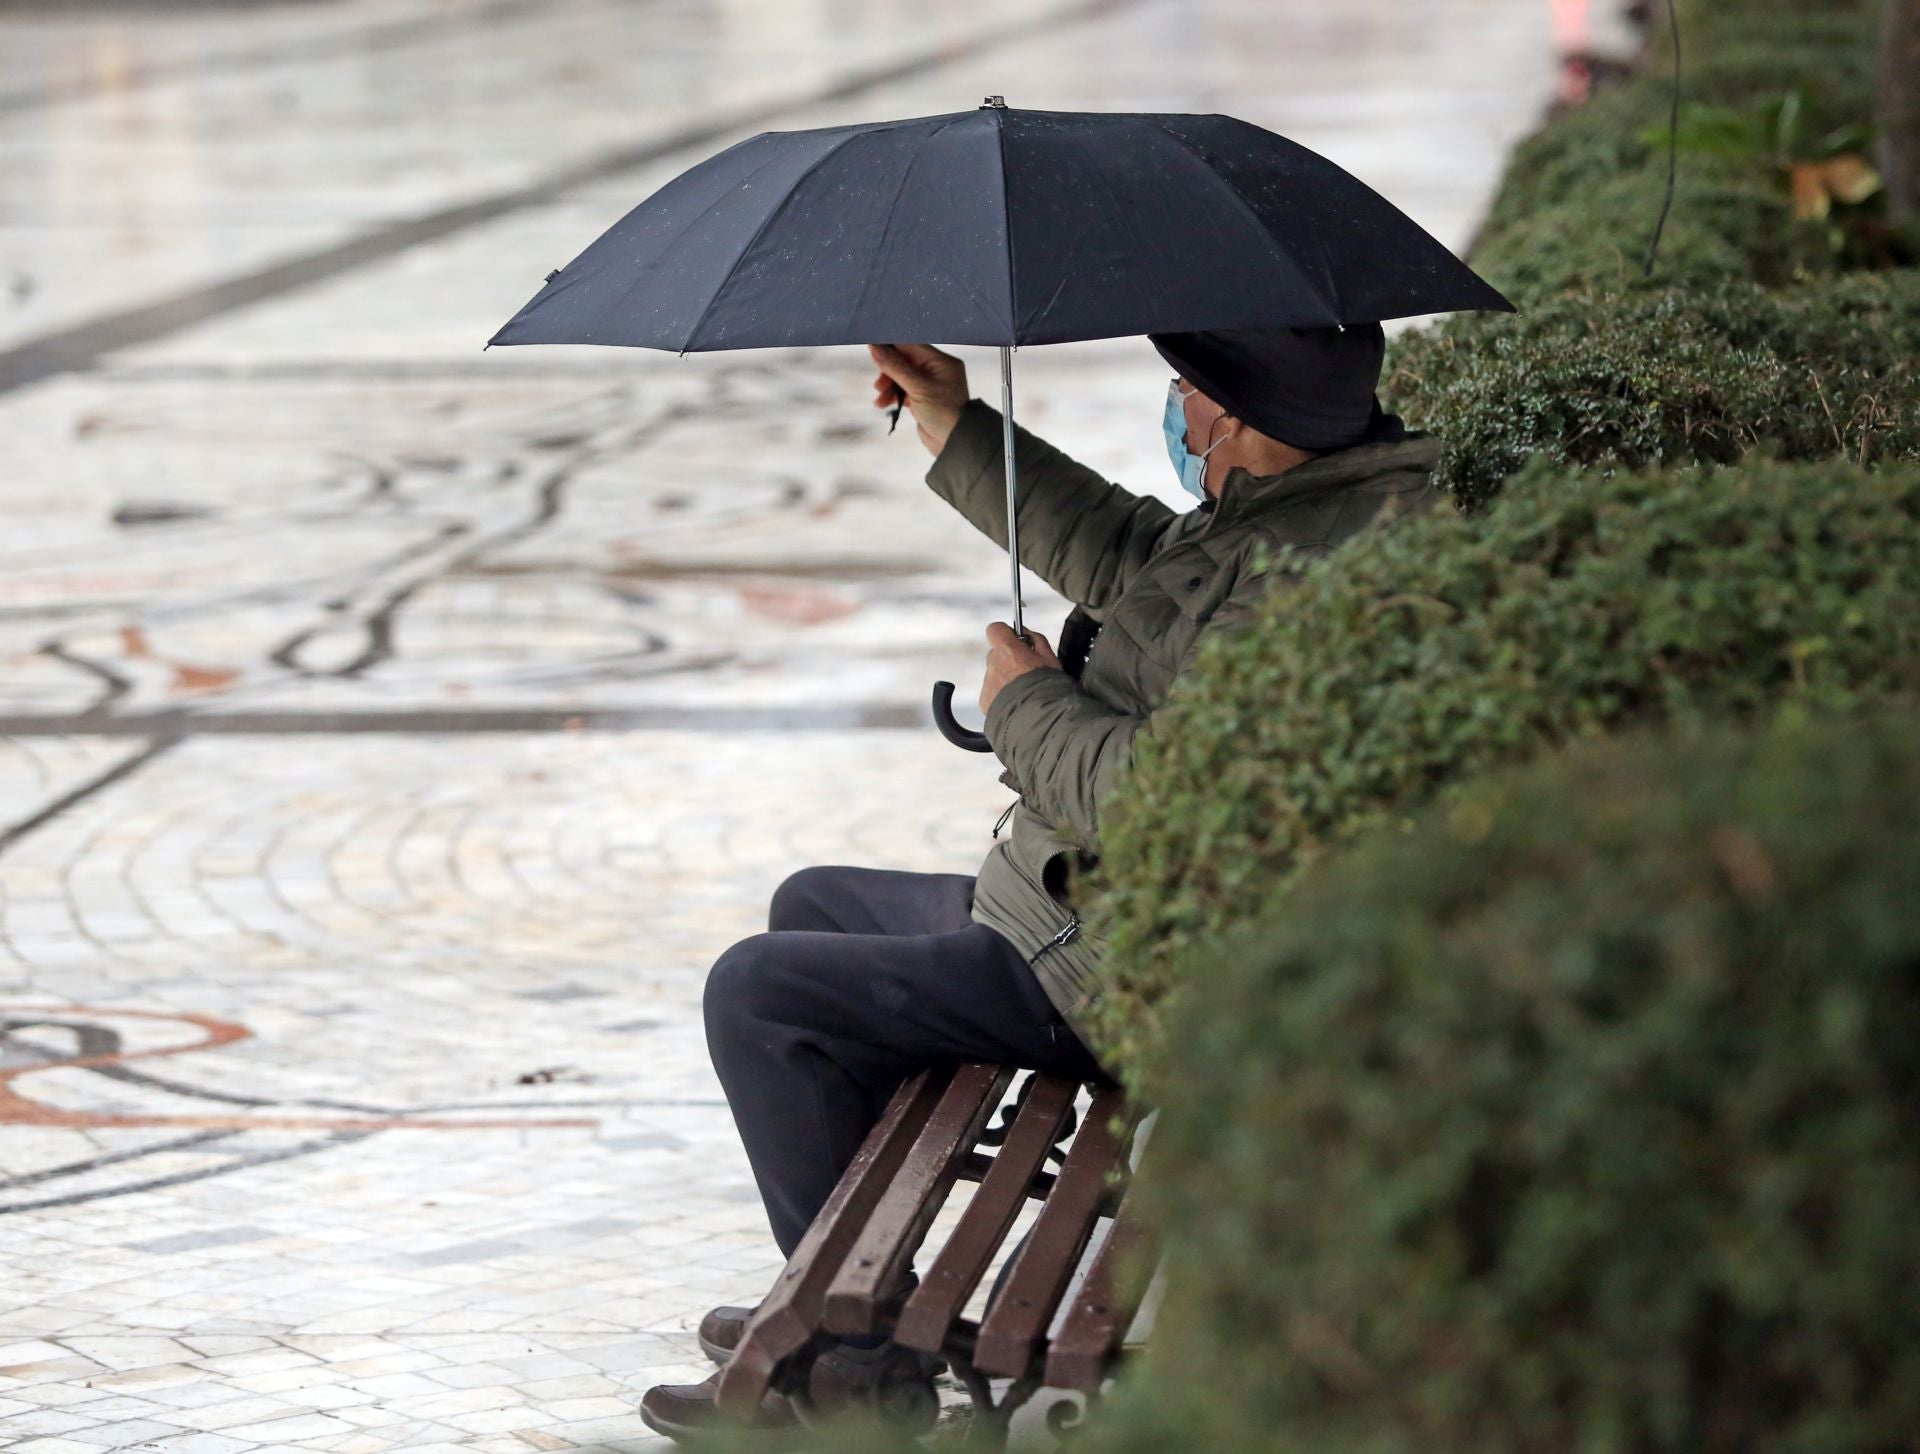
[1101, 1313]
[899, 1223]
[1019, 1316]
[935, 1305]
[978, 1164]
[789, 1314]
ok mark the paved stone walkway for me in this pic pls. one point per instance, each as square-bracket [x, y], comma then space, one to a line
[391, 734]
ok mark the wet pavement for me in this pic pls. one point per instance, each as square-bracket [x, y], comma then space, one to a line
[392, 733]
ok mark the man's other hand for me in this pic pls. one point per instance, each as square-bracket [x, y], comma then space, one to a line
[1009, 657]
[935, 384]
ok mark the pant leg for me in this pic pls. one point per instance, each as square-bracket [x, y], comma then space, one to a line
[838, 898]
[810, 1031]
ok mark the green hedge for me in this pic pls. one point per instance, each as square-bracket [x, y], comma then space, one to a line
[1580, 1119]
[1739, 62]
[1579, 198]
[1431, 648]
[1575, 1120]
[1727, 225]
[1669, 376]
[1744, 336]
[1603, 367]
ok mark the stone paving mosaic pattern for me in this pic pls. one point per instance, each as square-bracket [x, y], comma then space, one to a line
[518, 541]
[391, 734]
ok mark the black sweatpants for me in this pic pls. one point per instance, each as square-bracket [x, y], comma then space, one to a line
[864, 977]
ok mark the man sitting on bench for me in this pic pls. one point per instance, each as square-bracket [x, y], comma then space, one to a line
[866, 976]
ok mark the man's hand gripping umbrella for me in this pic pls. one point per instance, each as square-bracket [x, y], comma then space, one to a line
[933, 385]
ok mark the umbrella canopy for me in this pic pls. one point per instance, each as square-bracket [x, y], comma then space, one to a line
[999, 226]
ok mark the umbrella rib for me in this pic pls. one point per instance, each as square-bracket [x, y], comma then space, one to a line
[766, 222]
[1006, 225]
[880, 248]
[1333, 306]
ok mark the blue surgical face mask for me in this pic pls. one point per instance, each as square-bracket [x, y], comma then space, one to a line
[1192, 468]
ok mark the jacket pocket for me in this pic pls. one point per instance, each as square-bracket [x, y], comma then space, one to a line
[1053, 873]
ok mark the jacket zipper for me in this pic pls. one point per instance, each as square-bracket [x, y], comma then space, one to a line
[1072, 926]
[1065, 936]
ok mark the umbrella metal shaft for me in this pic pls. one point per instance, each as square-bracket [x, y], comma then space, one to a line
[1013, 520]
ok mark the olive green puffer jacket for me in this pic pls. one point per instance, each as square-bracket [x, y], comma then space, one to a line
[1154, 578]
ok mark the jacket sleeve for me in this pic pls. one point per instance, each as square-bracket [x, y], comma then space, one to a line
[1065, 749]
[1082, 535]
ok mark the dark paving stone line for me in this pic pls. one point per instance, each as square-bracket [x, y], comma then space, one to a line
[395, 36]
[180, 1178]
[178, 726]
[76, 1168]
[79, 347]
[97, 1042]
[124, 768]
[148, 1079]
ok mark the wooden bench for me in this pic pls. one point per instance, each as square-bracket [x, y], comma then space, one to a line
[844, 1277]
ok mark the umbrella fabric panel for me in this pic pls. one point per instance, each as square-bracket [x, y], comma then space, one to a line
[647, 280]
[1148, 223]
[849, 234]
[1119, 227]
[897, 236]
[1377, 261]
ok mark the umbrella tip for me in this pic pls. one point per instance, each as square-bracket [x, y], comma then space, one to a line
[999, 103]
[552, 275]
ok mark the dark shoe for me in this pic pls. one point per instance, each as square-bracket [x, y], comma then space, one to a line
[720, 1332]
[890, 1381]
[687, 1414]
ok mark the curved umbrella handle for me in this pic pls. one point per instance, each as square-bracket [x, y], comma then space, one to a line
[949, 725]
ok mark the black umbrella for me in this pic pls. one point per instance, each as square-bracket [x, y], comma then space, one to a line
[1002, 227]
